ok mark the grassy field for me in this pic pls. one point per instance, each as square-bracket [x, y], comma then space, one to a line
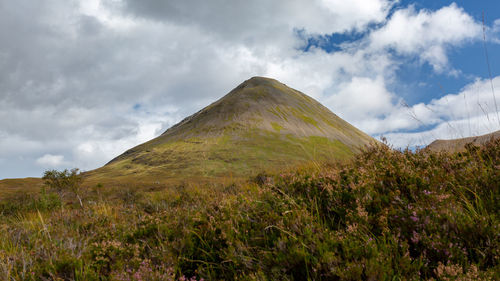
[9, 187]
[386, 215]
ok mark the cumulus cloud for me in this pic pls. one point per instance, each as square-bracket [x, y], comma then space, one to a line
[88, 79]
[249, 21]
[470, 112]
[426, 33]
[50, 161]
[362, 98]
[493, 33]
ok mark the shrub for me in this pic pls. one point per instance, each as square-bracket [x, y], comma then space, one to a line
[64, 182]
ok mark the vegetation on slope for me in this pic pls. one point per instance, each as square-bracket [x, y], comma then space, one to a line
[456, 145]
[214, 159]
[10, 187]
[261, 125]
[387, 215]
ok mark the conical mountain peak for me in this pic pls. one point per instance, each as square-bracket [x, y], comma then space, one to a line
[263, 87]
[261, 124]
[258, 81]
[262, 103]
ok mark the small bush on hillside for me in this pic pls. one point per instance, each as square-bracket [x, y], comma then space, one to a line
[64, 182]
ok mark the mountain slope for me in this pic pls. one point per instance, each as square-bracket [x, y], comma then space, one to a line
[25, 185]
[456, 145]
[261, 125]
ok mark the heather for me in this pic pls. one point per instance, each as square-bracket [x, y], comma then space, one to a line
[386, 215]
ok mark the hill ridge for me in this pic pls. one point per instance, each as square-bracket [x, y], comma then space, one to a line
[454, 145]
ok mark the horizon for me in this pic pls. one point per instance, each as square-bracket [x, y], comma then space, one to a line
[83, 81]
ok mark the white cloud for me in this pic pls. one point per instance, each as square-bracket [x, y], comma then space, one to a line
[73, 71]
[362, 98]
[50, 161]
[426, 33]
[446, 130]
[96, 9]
[493, 32]
[471, 112]
[261, 20]
[373, 109]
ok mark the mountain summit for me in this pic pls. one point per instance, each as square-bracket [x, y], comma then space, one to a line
[261, 125]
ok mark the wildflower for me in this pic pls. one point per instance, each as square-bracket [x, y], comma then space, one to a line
[415, 237]
[450, 270]
[414, 217]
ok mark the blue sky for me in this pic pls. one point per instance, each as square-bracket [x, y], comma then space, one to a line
[421, 84]
[81, 81]
[469, 59]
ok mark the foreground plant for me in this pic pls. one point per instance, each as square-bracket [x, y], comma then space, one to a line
[388, 215]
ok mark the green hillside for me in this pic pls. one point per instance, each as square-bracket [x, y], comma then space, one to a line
[261, 125]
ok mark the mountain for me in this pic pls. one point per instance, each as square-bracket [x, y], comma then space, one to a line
[260, 126]
[456, 145]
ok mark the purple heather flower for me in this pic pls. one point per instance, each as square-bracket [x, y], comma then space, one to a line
[415, 238]
[414, 217]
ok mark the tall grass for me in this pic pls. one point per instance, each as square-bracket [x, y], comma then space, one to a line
[489, 70]
[387, 215]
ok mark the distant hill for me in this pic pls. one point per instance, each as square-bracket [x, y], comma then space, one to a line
[26, 185]
[456, 145]
[260, 126]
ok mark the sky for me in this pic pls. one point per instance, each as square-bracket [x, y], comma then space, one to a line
[81, 81]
